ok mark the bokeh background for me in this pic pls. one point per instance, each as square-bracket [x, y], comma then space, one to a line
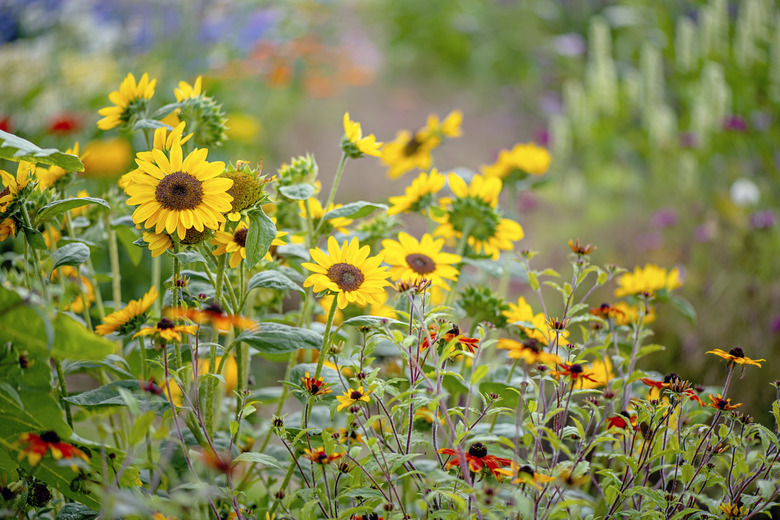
[661, 115]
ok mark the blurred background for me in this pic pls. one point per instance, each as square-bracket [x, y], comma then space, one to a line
[661, 115]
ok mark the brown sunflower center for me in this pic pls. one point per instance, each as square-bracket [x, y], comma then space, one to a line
[5, 192]
[179, 191]
[412, 146]
[314, 388]
[421, 264]
[240, 237]
[478, 450]
[347, 276]
[576, 368]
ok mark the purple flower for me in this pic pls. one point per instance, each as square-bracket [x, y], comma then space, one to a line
[735, 124]
[689, 140]
[774, 325]
[664, 218]
[763, 219]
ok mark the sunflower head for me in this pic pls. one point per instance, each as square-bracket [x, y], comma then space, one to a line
[130, 103]
[302, 169]
[15, 188]
[482, 305]
[207, 118]
[7, 228]
[247, 189]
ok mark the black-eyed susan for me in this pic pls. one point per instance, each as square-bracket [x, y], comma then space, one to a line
[452, 334]
[34, 447]
[575, 371]
[319, 456]
[473, 212]
[412, 260]
[214, 315]
[530, 351]
[130, 100]
[580, 249]
[419, 195]
[235, 243]
[349, 436]
[535, 326]
[516, 164]
[354, 144]
[349, 272]
[85, 294]
[623, 420]
[127, 320]
[317, 212]
[527, 475]
[315, 386]
[733, 511]
[736, 356]
[14, 185]
[7, 228]
[647, 281]
[165, 329]
[719, 403]
[351, 397]
[606, 311]
[409, 151]
[175, 194]
[477, 459]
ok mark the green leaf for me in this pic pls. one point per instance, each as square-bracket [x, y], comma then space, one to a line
[35, 239]
[354, 210]
[127, 237]
[297, 191]
[108, 395]
[275, 340]
[73, 254]
[14, 148]
[368, 321]
[683, 306]
[74, 511]
[150, 124]
[141, 426]
[262, 232]
[188, 257]
[509, 395]
[274, 280]
[59, 207]
[259, 458]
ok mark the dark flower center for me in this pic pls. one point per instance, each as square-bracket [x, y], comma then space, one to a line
[322, 456]
[213, 308]
[478, 450]
[5, 192]
[347, 277]
[314, 388]
[179, 191]
[412, 146]
[532, 344]
[671, 377]
[50, 437]
[722, 404]
[355, 395]
[737, 352]
[164, 324]
[526, 469]
[455, 331]
[240, 237]
[420, 264]
[576, 368]
[194, 236]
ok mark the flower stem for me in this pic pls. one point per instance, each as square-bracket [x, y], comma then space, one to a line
[113, 253]
[63, 391]
[177, 362]
[36, 258]
[332, 194]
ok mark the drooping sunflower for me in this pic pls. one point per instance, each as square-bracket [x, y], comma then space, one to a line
[347, 271]
[128, 319]
[131, 99]
[14, 185]
[235, 243]
[176, 194]
[411, 260]
[419, 196]
[473, 210]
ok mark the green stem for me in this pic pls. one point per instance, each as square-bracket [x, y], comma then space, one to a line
[468, 224]
[156, 274]
[36, 258]
[323, 352]
[177, 361]
[63, 391]
[113, 253]
[332, 194]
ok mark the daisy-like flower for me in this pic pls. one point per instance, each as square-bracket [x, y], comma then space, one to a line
[527, 475]
[47, 177]
[349, 272]
[540, 330]
[575, 371]
[647, 281]
[317, 212]
[131, 99]
[473, 210]
[167, 330]
[736, 356]
[622, 420]
[477, 458]
[350, 436]
[581, 249]
[419, 195]
[86, 291]
[530, 351]
[235, 243]
[7, 228]
[410, 151]
[354, 144]
[733, 511]
[351, 397]
[14, 185]
[187, 91]
[519, 162]
[128, 319]
[177, 194]
[318, 455]
[412, 260]
[453, 334]
[163, 140]
[607, 312]
[213, 314]
[315, 386]
[35, 447]
[722, 404]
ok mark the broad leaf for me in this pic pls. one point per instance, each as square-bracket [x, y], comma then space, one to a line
[275, 340]
[354, 210]
[260, 458]
[108, 395]
[59, 207]
[262, 232]
[297, 191]
[274, 280]
[72, 254]
[14, 148]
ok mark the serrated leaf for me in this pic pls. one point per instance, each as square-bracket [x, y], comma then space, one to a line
[58, 207]
[259, 458]
[73, 254]
[15, 148]
[354, 210]
[300, 191]
[262, 232]
[276, 340]
[274, 280]
[75, 511]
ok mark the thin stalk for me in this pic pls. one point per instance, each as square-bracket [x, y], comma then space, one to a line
[113, 254]
[63, 391]
[332, 194]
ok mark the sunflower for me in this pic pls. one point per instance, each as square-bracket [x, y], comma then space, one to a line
[315, 386]
[540, 329]
[418, 196]
[167, 330]
[477, 459]
[474, 210]
[47, 177]
[339, 223]
[7, 228]
[213, 314]
[86, 293]
[647, 281]
[14, 185]
[529, 351]
[187, 91]
[410, 151]
[163, 140]
[736, 356]
[158, 243]
[575, 371]
[349, 272]
[354, 144]
[177, 194]
[128, 319]
[131, 99]
[35, 447]
[235, 243]
[351, 397]
[527, 475]
[518, 163]
[411, 260]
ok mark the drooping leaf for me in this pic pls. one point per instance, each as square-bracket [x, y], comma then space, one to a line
[275, 340]
[262, 232]
[274, 280]
[354, 210]
[75, 511]
[35, 239]
[300, 191]
[71, 254]
[59, 207]
[108, 395]
[260, 458]
[15, 148]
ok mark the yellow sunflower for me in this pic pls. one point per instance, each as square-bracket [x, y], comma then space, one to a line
[130, 99]
[7, 229]
[411, 260]
[736, 356]
[410, 151]
[128, 319]
[48, 176]
[158, 242]
[349, 272]
[474, 210]
[540, 328]
[647, 280]
[163, 140]
[419, 195]
[13, 185]
[177, 194]
[524, 159]
[317, 212]
[187, 91]
[87, 292]
[351, 397]
[167, 330]
[354, 144]
[235, 243]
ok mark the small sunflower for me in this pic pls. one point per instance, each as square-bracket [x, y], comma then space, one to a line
[15, 185]
[530, 351]
[214, 315]
[736, 356]
[527, 475]
[474, 210]
[354, 144]
[410, 151]
[315, 386]
[128, 319]
[347, 271]
[540, 328]
[622, 420]
[317, 212]
[419, 195]
[477, 459]
[177, 194]
[647, 281]
[167, 330]
[411, 260]
[187, 91]
[351, 397]
[7, 228]
[516, 164]
[318, 455]
[235, 243]
[86, 292]
[575, 371]
[131, 99]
